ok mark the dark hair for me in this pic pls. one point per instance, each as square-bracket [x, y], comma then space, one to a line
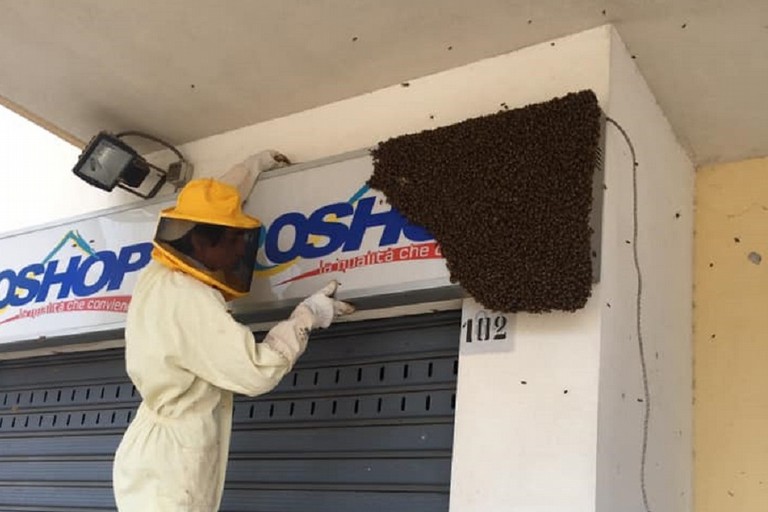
[212, 233]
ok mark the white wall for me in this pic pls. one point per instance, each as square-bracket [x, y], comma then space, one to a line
[665, 189]
[526, 419]
[544, 450]
[531, 447]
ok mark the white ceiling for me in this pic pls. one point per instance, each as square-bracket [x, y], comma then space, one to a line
[187, 69]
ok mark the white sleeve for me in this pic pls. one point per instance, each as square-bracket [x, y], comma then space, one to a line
[224, 352]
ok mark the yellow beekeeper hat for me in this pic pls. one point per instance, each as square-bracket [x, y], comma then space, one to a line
[210, 202]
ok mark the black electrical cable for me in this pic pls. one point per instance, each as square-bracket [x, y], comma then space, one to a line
[136, 133]
[640, 342]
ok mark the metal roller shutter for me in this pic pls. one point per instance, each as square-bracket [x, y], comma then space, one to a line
[364, 422]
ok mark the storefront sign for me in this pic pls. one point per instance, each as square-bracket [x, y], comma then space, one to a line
[325, 223]
[321, 222]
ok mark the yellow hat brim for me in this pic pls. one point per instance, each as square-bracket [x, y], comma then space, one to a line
[241, 220]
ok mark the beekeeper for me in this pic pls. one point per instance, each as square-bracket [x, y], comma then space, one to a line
[187, 356]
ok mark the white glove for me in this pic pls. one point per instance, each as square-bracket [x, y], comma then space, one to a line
[324, 307]
[243, 176]
[265, 160]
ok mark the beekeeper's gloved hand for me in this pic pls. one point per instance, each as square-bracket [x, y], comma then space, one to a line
[265, 160]
[323, 307]
[243, 176]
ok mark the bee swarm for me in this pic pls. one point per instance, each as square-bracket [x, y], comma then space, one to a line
[508, 197]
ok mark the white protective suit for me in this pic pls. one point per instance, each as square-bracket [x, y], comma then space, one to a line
[186, 356]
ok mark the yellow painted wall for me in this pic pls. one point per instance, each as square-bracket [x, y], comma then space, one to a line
[731, 338]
